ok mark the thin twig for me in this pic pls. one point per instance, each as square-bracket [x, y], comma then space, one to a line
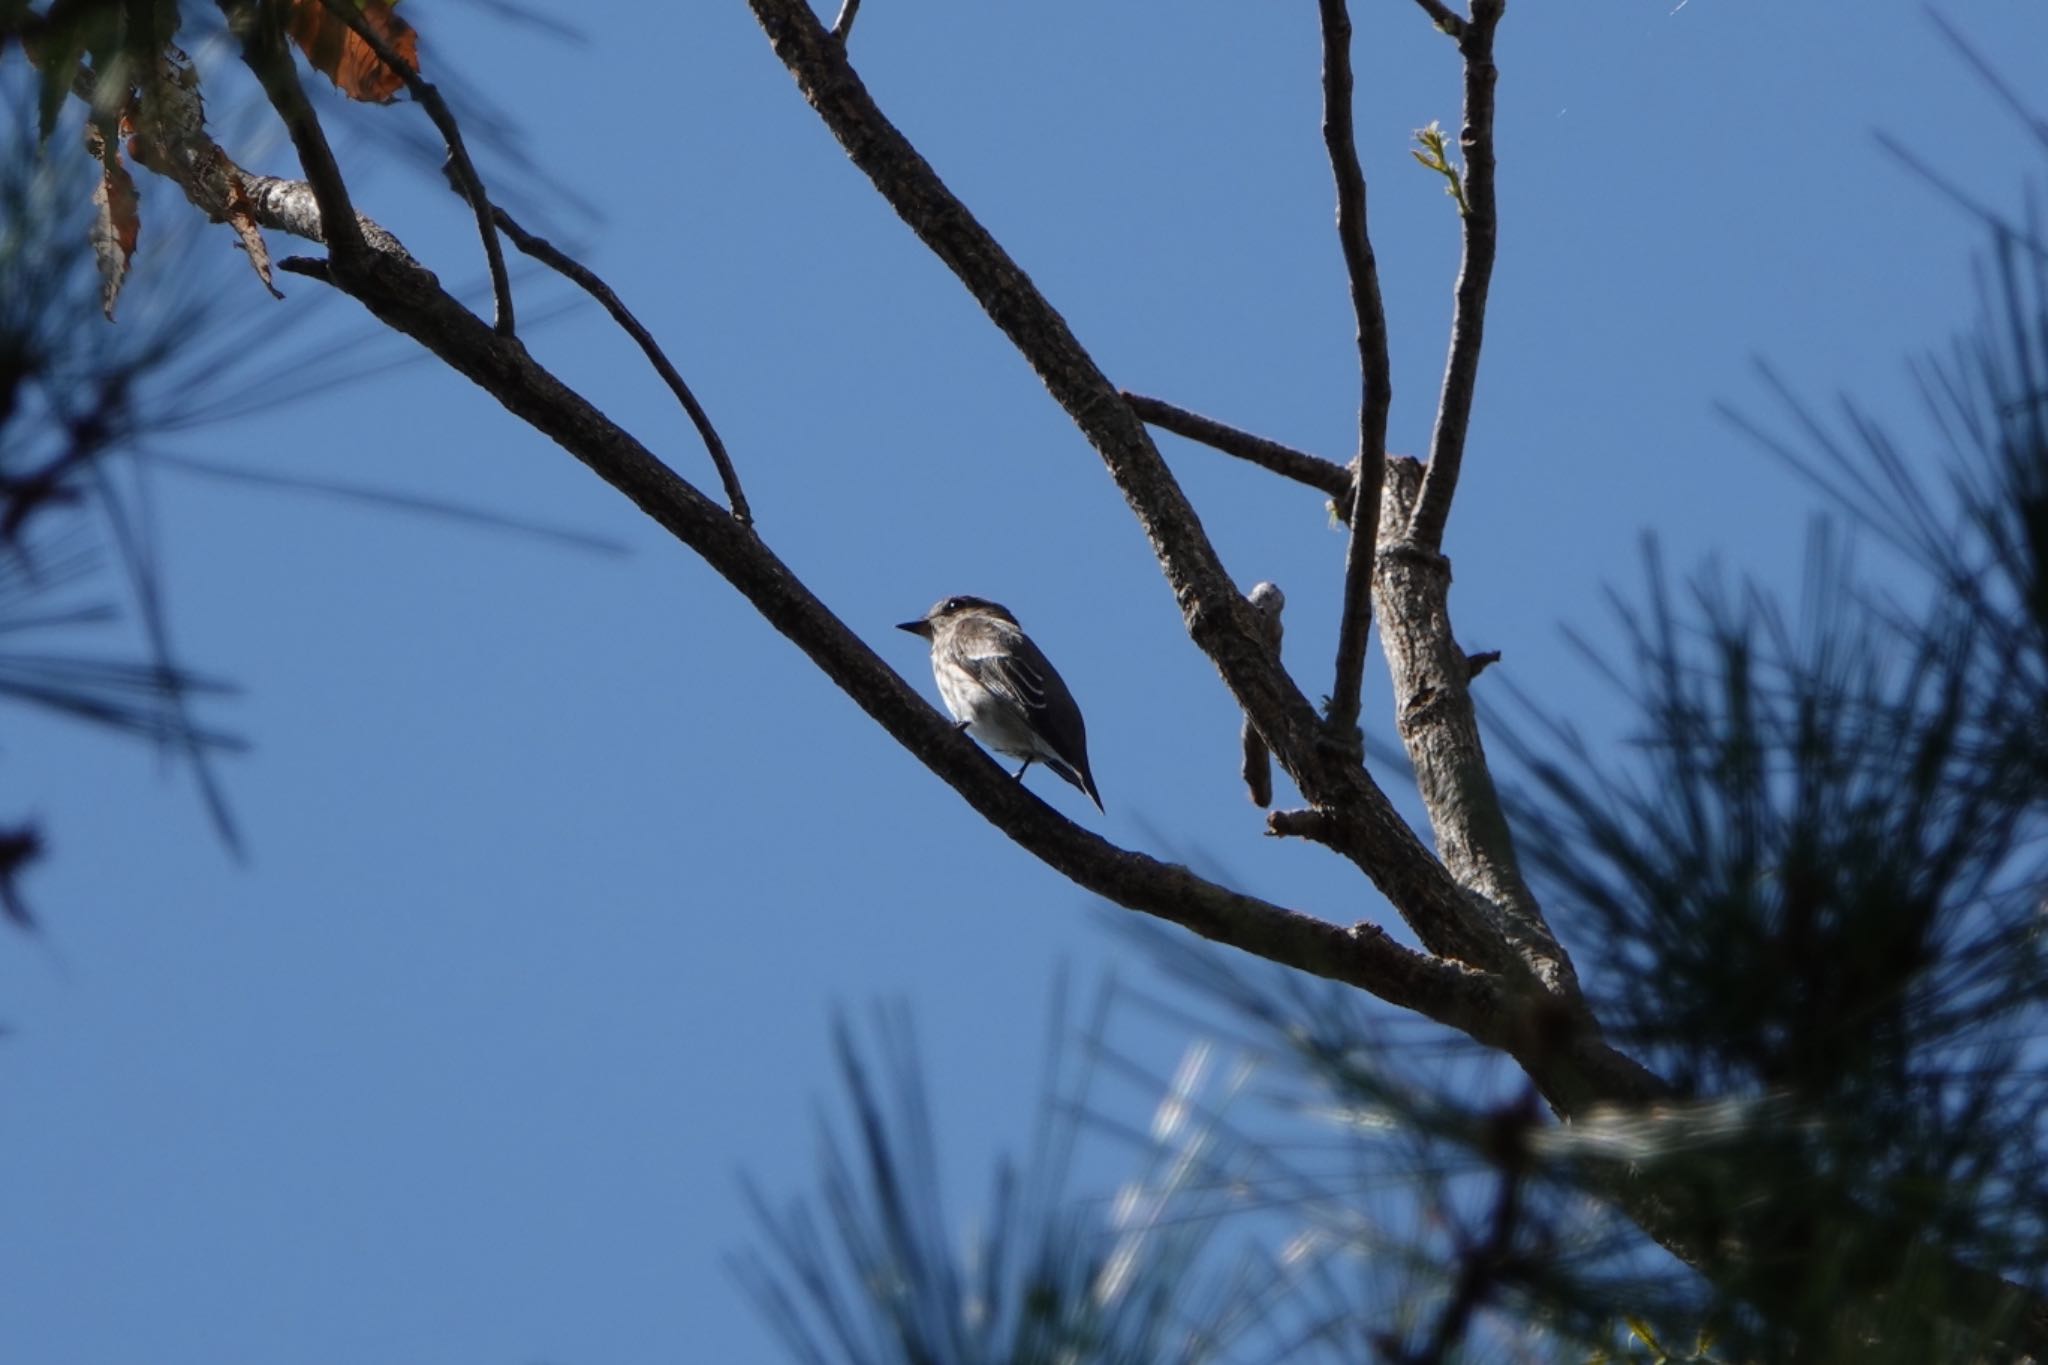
[1444, 17]
[548, 254]
[843, 25]
[1313, 470]
[1475, 275]
[1375, 371]
[463, 170]
[265, 54]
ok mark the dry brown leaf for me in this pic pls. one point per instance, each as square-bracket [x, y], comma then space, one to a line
[241, 217]
[338, 53]
[116, 217]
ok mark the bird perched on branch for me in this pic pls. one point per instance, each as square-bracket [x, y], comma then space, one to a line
[1003, 690]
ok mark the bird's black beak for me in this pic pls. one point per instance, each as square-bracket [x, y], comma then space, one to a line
[917, 627]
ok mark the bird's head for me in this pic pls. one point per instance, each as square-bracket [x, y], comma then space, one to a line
[954, 608]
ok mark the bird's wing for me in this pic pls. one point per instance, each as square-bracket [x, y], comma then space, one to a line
[1017, 671]
[1010, 666]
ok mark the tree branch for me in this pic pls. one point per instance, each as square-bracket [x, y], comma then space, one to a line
[1440, 729]
[265, 53]
[464, 170]
[1375, 372]
[842, 27]
[1569, 1062]
[1367, 830]
[1475, 276]
[407, 298]
[1218, 619]
[1286, 461]
[1444, 17]
[548, 254]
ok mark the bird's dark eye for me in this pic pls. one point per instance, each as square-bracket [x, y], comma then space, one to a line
[953, 604]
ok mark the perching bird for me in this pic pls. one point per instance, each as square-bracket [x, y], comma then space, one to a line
[1002, 690]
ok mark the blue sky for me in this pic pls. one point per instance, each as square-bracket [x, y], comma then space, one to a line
[559, 862]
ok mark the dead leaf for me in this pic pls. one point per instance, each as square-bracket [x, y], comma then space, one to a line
[337, 52]
[116, 216]
[242, 219]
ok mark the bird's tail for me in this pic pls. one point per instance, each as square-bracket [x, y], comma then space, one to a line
[1080, 777]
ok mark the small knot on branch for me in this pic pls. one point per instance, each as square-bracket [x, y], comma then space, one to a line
[312, 267]
[1309, 823]
[1267, 602]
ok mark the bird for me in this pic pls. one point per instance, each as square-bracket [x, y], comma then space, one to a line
[1003, 690]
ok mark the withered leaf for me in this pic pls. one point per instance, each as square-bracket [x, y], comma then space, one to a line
[116, 217]
[337, 52]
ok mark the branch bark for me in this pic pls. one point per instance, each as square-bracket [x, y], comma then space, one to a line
[1489, 976]
[429, 98]
[1440, 729]
[1475, 277]
[407, 298]
[1375, 373]
[1286, 461]
[587, 279]
[1363, 824]
[266, 54]
[1444, 17]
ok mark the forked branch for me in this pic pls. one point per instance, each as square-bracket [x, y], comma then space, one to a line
[586, 279]
[460, 166]
[267, 57]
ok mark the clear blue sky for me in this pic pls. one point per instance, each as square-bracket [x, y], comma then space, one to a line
[559, 862]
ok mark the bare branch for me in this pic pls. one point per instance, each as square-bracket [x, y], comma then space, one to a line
[1286, 461]
[1217, 618]
[407, 298]
[842, 27]
[548, 254]
[1444, 17]
[171, 140]
[265, 53]
[1375, 372]
[1449, 920]
[464, 170]
[1440, 729]
[1475, 275]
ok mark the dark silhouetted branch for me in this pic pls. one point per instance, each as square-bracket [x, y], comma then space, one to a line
[462, 169]
[1313, 470]
[409, 299]
[1449, 920]
[1375, 373]
[266, 55]
[548, 254]
[842, 27]
[1475, 276]
[1444, 17]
